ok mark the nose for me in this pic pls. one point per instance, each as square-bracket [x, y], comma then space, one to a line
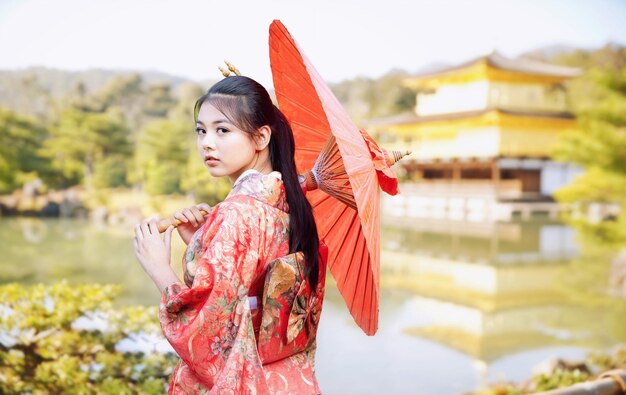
[207, 142]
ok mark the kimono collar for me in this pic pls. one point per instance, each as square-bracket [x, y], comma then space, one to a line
[267, 188]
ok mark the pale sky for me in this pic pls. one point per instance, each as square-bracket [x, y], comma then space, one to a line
[343, 38]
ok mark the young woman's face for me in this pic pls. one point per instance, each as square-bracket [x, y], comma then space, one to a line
[225, 149]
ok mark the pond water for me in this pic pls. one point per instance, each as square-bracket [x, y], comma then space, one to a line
[461, 304]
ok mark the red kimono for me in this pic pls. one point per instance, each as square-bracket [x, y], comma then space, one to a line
[225, 346]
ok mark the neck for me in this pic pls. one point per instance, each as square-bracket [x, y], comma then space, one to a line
[262, 164]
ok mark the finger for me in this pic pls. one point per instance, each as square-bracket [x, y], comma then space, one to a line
[168, 237]
[197, 214]
[179, 216]
[154, 228]
[187, 213]
[138, 232]
[144, 228]
[205, 207]
[136, 248]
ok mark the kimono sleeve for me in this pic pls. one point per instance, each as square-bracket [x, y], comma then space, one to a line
[209, 324]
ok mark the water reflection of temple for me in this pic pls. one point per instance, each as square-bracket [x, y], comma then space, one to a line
[488, 290]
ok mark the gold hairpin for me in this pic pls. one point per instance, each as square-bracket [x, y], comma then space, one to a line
[231, 68]
[225, 73]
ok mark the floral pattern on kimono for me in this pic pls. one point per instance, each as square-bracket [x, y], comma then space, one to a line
[291, 308]
[208, 320]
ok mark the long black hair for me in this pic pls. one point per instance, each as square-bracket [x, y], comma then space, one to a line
[248, 106]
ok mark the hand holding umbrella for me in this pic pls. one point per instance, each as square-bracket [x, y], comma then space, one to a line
[194, 216]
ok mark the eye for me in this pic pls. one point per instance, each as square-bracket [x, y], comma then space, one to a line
[200, 131]
[222, 130]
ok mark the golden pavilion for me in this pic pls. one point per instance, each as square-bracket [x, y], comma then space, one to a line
[481, 135]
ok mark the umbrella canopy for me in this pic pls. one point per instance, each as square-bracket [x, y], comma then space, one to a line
[316, 116]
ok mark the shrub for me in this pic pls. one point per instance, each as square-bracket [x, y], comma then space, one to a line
[70, 339]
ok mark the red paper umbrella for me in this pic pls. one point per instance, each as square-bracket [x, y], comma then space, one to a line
[321, 125]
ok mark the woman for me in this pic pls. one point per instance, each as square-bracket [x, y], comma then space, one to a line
[209, 319]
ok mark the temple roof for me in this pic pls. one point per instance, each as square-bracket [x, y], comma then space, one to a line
[412, 118]
[522, 65]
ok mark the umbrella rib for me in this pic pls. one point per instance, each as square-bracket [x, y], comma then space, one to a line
[359, 248]
[319, 133]
[303, 76]
[294, 53]
[292, 47]
[340, 247]
[354, 219]
[367, 303]
[323, 198]
[294, 102]
[296, 72]
[307, 149]
[286, 35]
[345, 207]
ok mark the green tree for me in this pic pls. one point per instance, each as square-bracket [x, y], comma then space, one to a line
[159, 100]
[82, 139]
[162, 151]
[369, 98]
[186, 96]
[126, 94]
[110, 172]
[390, 96]
[79, 98]
[20, 141]
[355, 96]
[198, 182]
[34, 98]
[598, 98]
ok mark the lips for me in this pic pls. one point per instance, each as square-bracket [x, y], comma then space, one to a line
[210, 157]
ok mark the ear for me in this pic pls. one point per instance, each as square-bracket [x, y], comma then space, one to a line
[262, 137]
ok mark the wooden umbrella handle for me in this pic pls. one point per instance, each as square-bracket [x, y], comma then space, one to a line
[166, 222]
